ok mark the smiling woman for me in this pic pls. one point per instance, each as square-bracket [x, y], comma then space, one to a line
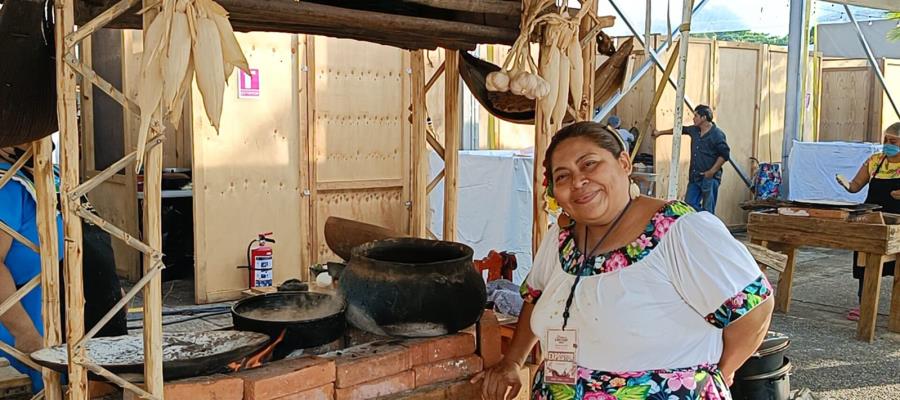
[629, 296]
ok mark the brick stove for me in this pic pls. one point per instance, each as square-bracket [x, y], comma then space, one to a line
[412, 369]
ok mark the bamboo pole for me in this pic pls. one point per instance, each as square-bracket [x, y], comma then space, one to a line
[452, 133]
[107, 173]
[40, 395]
[69, 156]
[48, 235]
[541, 141]
[437, 74]
[418, 151]
[118, 381]
[18, 355]
[98, 22]
[18, 236]
[435, 144]
[660, 89]
[157, 268]
[103, 85]
[114, 230]
[19, 294]
[674, 163]
[13, 169]
[434, 182]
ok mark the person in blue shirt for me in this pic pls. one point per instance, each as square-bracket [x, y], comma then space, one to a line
[709, 151]
[22, 326]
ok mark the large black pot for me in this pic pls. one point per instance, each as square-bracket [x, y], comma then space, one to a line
[308, 319]
[768, 357]
[774, 385]
[412, 287]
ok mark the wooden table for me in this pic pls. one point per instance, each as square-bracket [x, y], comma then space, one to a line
[787, 233]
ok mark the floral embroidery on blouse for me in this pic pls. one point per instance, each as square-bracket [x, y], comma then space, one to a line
[700, 382]
[570, 256]
[739, 305]
[888, 169]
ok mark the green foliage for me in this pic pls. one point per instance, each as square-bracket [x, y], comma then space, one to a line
[894, 34]
[745, 36]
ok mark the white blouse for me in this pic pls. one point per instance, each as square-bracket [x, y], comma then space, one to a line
[649, 315]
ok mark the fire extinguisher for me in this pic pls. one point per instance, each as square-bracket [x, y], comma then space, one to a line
[259, 261]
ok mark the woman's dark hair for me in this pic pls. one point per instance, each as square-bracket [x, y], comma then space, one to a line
[704, 111]
[596, 132]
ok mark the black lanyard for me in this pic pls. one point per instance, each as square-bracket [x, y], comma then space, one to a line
[585, 255]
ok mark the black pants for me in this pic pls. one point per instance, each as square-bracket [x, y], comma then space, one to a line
[859, 272]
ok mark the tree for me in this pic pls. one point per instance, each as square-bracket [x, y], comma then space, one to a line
[894, 34]
[745, 36]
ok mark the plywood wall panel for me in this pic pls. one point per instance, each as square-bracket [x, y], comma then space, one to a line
[846, 93]
[772, 103]
[892, 78]
[246, 176]
[374, 206]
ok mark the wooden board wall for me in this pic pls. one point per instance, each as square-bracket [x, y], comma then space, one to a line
[360, 132]
[772, 102]
[847, 101]
[247, 176]
[892, 77]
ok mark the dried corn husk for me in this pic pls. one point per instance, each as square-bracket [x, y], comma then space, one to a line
[232, 55]
[576, 72]
[207, 53]
[150, 89]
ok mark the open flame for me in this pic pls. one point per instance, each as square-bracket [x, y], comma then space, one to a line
[257, 359]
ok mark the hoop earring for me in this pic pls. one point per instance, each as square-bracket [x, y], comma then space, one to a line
[634, 191]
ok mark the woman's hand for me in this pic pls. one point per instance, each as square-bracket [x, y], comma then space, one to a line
[501, 382]
[895, 194]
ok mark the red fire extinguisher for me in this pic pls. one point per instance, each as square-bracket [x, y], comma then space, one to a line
[259, 261]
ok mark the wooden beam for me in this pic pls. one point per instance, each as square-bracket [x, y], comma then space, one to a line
[113, 230]
[103, 85]
[13, 169]
[98, 22]
[19, 294]
[66, 104]
[434, 78]
[48, 236]
[477, 6]
[124, 384]
[868, 305]
[435, 144]
[452, 134]
[434, 181]
[418, 151]
[153, 351]
[18, 236]
[767, 258]
[542, 132]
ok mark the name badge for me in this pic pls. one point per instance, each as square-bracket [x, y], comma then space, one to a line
[559, 365]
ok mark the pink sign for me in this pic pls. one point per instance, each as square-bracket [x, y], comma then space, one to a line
[248, 84]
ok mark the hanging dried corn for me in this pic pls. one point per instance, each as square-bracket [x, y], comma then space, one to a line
[188, 39]
[561, 72]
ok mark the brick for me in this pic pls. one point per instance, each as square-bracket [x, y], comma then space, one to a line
[388, 386]
[368, 362]
[285, 377]
[425, 351]
[489, 340]
[457, 390]
[212, 387]
[325, 392]
[447, 370]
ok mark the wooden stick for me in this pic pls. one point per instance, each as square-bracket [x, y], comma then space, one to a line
[602, 22]
[19, 294]
[868, 305]
[103, 85]
[48, 236]
[98, 22]
[107, 173]
[40, 395]
[418, 151]
[114, 230]
[18, 355]
[18, 236]
[117, 380]
[157, 268]
[651, 111]
[452, 133]
[15, 167]
[434, 78]
[435, 144]
[66, 104]
[434, 182]
[541, 141]
[430, 234]
[675, 163]
[476, 6]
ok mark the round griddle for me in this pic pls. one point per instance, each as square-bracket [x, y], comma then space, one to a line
[184, 354]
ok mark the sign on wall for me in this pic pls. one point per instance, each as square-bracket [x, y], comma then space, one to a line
[248, 84]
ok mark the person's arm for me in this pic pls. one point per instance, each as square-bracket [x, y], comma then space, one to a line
[16, 320]
[859, 181]
[502, 382]
[742, 337]
[711, 172]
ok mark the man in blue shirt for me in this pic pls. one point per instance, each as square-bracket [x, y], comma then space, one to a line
[709, 151]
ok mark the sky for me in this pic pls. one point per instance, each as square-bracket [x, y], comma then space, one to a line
[766, 16]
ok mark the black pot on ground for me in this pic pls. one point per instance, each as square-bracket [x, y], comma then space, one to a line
[768, 357]
[308, 319]
[775, 385]
[412, 287]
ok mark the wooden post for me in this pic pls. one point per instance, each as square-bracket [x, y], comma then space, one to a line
[685, 29]
[153, 373]
[894, 312]
[69, 156]
[868, 305]
[452, 133]
[585, 105]
[49, 239]
[786, 277]
[418, 150]
[541, 141]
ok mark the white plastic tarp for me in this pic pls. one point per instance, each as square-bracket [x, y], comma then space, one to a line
[813, 166]
[493, 206]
